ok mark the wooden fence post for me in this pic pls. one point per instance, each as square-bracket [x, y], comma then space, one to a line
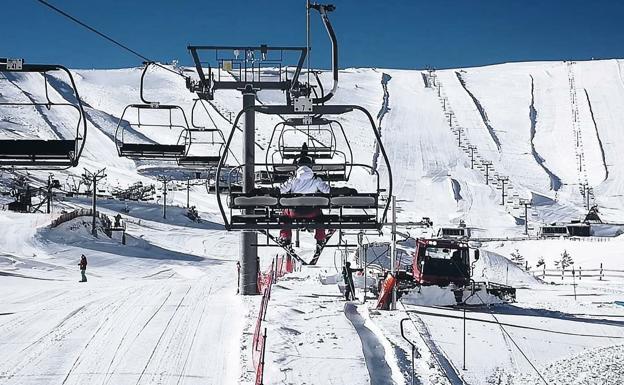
[544, 271]
[580, 273]
[601, 272]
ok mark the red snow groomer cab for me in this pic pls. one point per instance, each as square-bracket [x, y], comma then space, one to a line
[444, 263]
[441, 262]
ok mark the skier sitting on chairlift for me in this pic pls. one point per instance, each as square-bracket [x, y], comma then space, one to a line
[304, 182]
[303, 155]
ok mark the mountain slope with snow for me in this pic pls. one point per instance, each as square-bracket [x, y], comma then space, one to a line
[520, 117]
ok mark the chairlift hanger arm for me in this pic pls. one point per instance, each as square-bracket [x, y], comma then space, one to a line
[146, 66]
[323, 11]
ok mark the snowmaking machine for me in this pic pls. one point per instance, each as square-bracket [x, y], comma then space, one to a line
[445, 263]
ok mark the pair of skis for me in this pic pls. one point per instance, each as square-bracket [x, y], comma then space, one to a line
[289, 250]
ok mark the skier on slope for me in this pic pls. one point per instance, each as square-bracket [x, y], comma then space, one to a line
[83, 268]
[303, 182]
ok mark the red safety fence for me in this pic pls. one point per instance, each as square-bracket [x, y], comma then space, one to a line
[260, 366]
[265, 280]
[279, 268]
[285, 265]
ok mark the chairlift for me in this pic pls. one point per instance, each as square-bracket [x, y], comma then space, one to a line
[261, 208]
[204, 144]
[136, 145]
[35, 153]
[330, 163]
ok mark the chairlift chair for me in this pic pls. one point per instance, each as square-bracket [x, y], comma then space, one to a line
[145, 148]
[261, 209]
[35, 153]
[204, 144]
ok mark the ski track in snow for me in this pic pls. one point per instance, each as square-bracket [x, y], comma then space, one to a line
[385, 107]
[378, 369]
[555, 181]
[602, 152]
[481, 110]
[40, 109]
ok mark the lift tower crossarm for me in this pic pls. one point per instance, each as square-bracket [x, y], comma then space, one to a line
[207, 84]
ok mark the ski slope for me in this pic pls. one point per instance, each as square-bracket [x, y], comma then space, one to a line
[163, 309]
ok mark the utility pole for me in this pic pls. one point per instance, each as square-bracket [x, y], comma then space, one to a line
[450, 114]
[586, 190]
[487, 165]
[248, 251]
[526, 203]
[503, 180]
[164, 179]
[188, 187]
[188, 192]
[91, 178]
[362, 260]
[472, 149]
[49, 193]
[393, 253]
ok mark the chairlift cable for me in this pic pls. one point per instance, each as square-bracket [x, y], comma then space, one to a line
[104, 36]
[215, 125]
[516, 344]
[506, 333]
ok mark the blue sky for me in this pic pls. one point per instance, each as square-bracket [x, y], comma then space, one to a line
[382, 33]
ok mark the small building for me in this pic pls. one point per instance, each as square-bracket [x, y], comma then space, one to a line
[579, 229]
[554, 231]
[460, 232]
[572, 229]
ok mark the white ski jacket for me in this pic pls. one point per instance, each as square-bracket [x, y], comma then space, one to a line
[304, 182]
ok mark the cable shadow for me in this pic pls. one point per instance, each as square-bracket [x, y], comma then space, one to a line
[508, 309]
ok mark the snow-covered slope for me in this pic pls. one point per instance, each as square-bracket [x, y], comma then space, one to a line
[153, 307]
[518, 116]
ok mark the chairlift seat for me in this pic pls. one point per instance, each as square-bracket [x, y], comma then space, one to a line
[313, 152]
[266, 211]
[37, 148]
[327, 172]
[248, 218]
[354, 201]
[254, 201]
[152, 150]
[308, 201]
[359, 218]
[198, 160]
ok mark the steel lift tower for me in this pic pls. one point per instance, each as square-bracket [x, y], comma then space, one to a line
[241, 68]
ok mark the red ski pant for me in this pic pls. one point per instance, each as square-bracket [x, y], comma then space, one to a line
[319, 234]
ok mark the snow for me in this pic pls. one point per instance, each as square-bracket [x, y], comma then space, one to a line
[163, 309]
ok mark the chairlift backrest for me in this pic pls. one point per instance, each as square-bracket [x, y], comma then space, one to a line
[62, 151]
[130, 136]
